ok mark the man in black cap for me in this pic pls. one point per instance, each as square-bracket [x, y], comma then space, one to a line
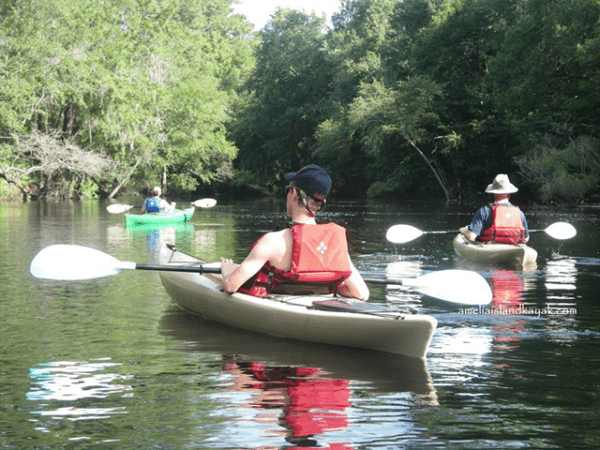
[304, 259]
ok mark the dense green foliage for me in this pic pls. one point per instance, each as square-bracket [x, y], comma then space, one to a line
[145, 83]
[422, 97]
[434, 98]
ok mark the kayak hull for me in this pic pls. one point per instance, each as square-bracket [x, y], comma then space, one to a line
[294, 317]
[176, 216]
[517, 256]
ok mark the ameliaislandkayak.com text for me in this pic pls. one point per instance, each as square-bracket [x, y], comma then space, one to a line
[522, 310]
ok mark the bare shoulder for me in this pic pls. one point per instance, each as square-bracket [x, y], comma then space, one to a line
[274, 240]
[276, 247]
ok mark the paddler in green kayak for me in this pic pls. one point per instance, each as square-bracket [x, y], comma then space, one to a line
[304, 259]
[500, 222]
[155, 204]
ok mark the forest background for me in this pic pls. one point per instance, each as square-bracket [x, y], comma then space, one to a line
[397, 98]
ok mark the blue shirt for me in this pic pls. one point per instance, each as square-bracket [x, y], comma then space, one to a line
[484, 218]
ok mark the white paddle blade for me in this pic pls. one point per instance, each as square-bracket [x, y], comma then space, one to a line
[205, 203]
[561, 230]
[399, 234]
[461, 287]
[118, 208]
[74, 262]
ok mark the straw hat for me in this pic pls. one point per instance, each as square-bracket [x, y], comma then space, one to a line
[501, 185]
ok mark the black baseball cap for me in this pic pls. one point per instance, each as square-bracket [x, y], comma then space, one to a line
[313, 180]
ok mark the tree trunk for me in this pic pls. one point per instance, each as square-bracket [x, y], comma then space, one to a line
[163, 181]
[71, 114]
[437, 176]
[120, 185]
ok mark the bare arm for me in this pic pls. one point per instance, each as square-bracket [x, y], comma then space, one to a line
[468, 233]
[166, 206]
[354, 286]
[524, 220]
[235, 275]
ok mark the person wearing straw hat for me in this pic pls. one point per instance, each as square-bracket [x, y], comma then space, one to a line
[500, 222]
[155, 204]
[306, 258]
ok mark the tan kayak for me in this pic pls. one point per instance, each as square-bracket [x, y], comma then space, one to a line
[516, 256]
[297, 317]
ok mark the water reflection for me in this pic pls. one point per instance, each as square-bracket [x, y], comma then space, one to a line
[460, 350]
[55, 383]
[297, 391]
[205, 241]
[397, 294]
[405, 267]
[311, 404]
[487, 369]
[561, 305]
[465, 341]
[507, 298]
[561, 274]
[381, 371]
[155, 236]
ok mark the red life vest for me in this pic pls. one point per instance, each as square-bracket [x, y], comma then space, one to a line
[507, 226]
[320, 263]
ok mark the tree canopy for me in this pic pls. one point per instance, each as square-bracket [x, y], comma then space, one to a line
[437, 97]
[427, 97]
[146, 82]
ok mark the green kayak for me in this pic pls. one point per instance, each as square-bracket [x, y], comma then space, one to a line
[176, 216]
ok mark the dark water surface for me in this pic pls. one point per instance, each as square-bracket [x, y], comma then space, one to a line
[112, 363]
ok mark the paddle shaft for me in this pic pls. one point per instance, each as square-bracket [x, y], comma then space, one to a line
[215, 270]
[382, 281]
[441, 232]
[200, 270]
[188, 269]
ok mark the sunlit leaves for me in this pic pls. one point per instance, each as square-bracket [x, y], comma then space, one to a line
[146, 81]
[287, 91]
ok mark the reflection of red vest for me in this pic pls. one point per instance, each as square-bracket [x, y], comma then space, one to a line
[315, 403]
[319, 260]
[507, 226]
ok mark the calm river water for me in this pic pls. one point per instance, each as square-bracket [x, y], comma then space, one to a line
[113, 363]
